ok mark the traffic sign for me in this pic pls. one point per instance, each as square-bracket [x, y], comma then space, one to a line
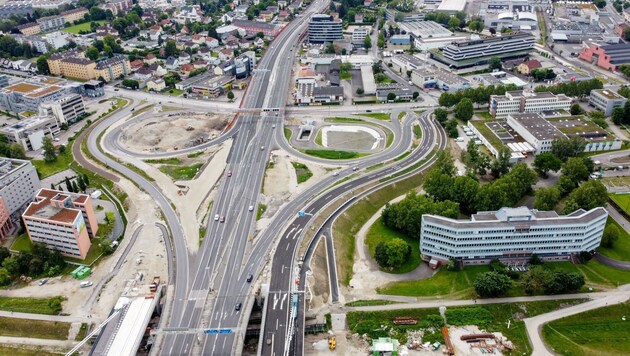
[301, 213]
[217, 331]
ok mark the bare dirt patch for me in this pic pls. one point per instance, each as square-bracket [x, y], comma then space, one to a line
[181, 130]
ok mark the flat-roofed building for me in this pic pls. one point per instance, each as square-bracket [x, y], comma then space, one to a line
[324, 28]
[67, 109]
[29, 29]
[50, 23]
[475, 52]
[609, 57]
[113, 68]
[61, 220]
[26, 96]
[519, 101]
[606, 100]
[74, 15]
[18, 184]
[511, 235]
[537, 131]
[30, 132]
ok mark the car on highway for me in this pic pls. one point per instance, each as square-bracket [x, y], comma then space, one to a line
[273, 126]
[133, 109]
[222, 219]
[237, 307]
[335, 174]
[249, 278]
[262, 148]
[42, 281]
[355, 169]
[229, 174]
[251, 208]
[216, 217]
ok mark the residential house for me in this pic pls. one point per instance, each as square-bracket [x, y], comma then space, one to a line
[259, 42]
[200, 63]
[150, 59]
[186, 69]
[226, 54]
[172, 63]
[103, 31]
[188, 13]
[156, 84]
[198, 39]
[266, 15]
[184, 58]
[526, 67]
[137, 64]
[143, 74]
[158, 70]
[29, 29]
[212, 42]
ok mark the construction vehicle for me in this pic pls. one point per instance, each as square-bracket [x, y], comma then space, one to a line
[153, 286]
[332, 343]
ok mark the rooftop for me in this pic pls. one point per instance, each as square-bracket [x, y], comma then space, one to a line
[23, 87]
[537, 126]
[607, 93]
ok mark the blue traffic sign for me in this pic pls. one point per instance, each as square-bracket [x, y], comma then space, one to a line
[217, 331]
[301, 213]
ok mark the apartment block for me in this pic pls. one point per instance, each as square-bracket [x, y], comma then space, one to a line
[469, 53]
[18, 185]
[117, 6]
[606, 100]
[74, 15]
[511, 235]
[51, 23]
[324, 28]
[112, 68]
[61, 220]
[29, 29]
[519, 101]
[6, 225]
[72, 67]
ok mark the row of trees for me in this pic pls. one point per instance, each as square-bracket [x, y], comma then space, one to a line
[75, 186]
[621, 115]
[480, 95]
[540, 74]
[13, 150]
[578, 89]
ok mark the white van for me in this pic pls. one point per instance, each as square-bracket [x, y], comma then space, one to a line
[86, 284]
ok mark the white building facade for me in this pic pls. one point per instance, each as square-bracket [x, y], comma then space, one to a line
[511, 235]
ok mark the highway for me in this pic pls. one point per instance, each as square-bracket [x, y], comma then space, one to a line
[283, 273]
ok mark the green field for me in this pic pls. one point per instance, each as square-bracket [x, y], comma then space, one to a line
[63, 161]
[370, 302]
[380, 233]
[302, 172]
[172, 160]
[81, 27]
[622, 200]
[261, 210]
[39, 329]
[443, 283]
[181, 172]
[30, 305]
[595, 332]
[332, 154]
[621, 248]
[24, 351]
[379, 115]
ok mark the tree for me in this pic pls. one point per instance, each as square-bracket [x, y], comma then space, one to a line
[441, 115]
[86, 180]
[576, 109]
[611, 234]
[16, 151]
[564, 148]
[501, 164]
[130, 83]
[230, 95]
[367, 42]
[49, 150]
[391, 97]
[547, 198]
[5, 278]
[75, 187]
[171, 48]
[575, 169]
[392, 253]
[453, 22]
[492, 284]
[42, 65]
[415, 95]
[476, 25]
[589, 195]
[495, 63]
[4, 253]
[68, 184]
[470, 157]
[617, 115]
[464, 191]
[92, 53]
[81, 183]
[330, 49]
[546, 162]
[360, 91]
[464, 109]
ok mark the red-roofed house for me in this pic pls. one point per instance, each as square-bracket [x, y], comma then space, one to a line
[527, 66]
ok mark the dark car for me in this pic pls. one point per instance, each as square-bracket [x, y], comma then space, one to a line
[249, 278]
[237, 307]
[223, 219]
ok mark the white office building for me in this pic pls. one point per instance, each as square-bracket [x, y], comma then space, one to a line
[511, 235]
[18, 184]
[67, 109]
[324, 28]
[519, 101]
[606, 100]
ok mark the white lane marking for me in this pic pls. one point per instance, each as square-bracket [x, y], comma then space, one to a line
[297, 233]
[284, 296]
[275, 301]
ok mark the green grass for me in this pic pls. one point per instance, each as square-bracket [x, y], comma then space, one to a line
[371, 323]
[261, 210]
[95, 251]
[26, 351]
[302, 172]
[345, 76]
[401, 115]
[343, 120]
[183, 172]
[22, 243]
[622, 200]
[195, 155]
[81, 27]
[595, 274]
[455, 285]
[172, 160]
[350, 222]
[484, 115]
[318, 138]
[380, 233]
[173, 92]
[40, 329]
[370, 302]
[62, 162]
[488, 134]
[332, 154]
[595, 332]
[29, 305]
[417, 131]
[82, 332]
[402, 156]
[379, 115]
[621, 247]
[287, 134]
